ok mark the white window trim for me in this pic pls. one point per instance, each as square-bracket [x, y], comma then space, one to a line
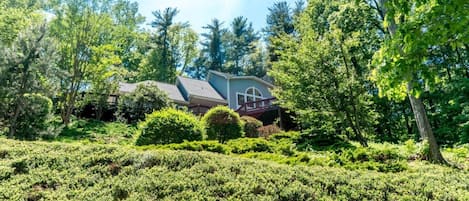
[245, 95]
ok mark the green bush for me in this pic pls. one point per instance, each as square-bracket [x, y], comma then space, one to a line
[33, 120]
[211, 146]
[244, 145]
[145, 99]
[169, 126]
[250, 125]
[222, 124]
[309, 141]
[63, 171]
[382, 160]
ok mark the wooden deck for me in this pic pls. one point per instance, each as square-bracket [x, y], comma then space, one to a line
[257, 108]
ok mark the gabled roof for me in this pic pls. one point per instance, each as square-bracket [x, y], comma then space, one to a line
[200, 89]
[234, 77]
[171, 90]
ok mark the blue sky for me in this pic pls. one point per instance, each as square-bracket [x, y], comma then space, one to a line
[201, 12]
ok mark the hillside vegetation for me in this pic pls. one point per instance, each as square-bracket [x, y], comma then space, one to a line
[62, 171]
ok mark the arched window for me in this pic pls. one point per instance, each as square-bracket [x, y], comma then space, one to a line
[251, 94]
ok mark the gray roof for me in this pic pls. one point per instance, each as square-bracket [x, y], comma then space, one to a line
[200, 88]
[171, 90]
[231, 76]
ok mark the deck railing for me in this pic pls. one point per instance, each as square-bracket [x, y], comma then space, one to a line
[256, 106]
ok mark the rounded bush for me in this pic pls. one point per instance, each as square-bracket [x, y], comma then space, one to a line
[222, 124]
[33, 119]
[169, 126]
[250, 125]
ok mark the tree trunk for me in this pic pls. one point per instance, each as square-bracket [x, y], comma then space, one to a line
[14, 120]
[418, 108]
[424, 128]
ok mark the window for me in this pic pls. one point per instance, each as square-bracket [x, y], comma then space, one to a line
[251, 94]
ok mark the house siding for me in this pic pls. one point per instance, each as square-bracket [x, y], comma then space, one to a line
[240, 86]
[219, 84]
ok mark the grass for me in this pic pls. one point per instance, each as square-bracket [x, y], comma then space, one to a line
[92, 131]
[70, 171]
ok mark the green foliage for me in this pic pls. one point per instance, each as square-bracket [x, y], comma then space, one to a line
[213, 45]
[250, 125]
[322, 70]
[33, 121]
[169, 126]
[173, 47]
[57, 171]
[382, 160]
[99, 132]
[210, 146]
[244, 145]
[145, 99]
[308, 141]
[27, 69]
[241, 39]
[222, 124]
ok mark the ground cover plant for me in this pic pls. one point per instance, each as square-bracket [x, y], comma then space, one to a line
[59, 171]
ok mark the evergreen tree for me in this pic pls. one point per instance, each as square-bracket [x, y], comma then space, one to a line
[27, 66]
[241, 43]
[213, 45]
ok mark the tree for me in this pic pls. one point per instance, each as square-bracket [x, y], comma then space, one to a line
[15, 16]
[256, 64]
[402, 68]
[83, 27]
[322, 70]
[144, 100]
[183, 46]
[241, 40]
[105, 74]
[213, 45]
[279, 22]
[27, 67]
[163, 67]
[173, 48]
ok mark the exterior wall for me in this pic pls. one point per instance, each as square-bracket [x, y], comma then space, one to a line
[241, 85]
[219, 84]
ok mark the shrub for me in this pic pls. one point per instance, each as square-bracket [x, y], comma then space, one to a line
[145, 99]
[33, 120]
[169, 126]
[211, 146]
[244, 145]
[266, 131]
[222, 124]
[382, 160]
[322, 141]
[250, 125]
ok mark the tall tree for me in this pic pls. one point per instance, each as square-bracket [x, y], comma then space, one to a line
[402, 67]
[279, 22]
[26, 66]
[162, 59]
[183, 46]
[322, 71]
[213, 45]
[240, 44]
[80, 26]
[174, 47]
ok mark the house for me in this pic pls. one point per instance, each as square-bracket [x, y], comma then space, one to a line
[248, 95]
